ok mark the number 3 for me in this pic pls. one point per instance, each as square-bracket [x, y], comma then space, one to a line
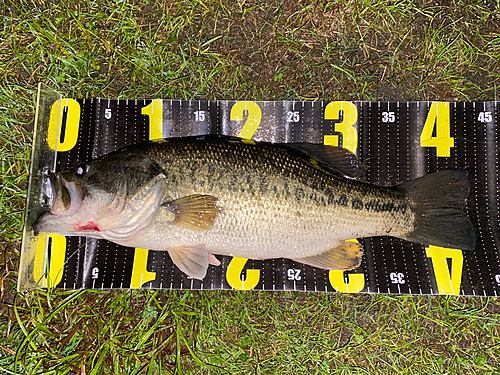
[346, 127]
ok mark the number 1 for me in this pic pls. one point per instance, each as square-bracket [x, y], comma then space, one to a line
[155, 113]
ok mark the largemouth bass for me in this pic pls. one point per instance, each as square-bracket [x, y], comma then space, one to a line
[197, 197]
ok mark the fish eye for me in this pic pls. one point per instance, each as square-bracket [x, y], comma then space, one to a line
[82, 170]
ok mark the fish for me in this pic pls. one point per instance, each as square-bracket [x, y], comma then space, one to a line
[202, 196]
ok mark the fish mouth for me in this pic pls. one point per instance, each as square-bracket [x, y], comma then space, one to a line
[62, 196]
[61, 199]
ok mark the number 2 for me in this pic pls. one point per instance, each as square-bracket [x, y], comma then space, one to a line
[294, 274]
[235, 267]
[234, 275]
[253, 120]
[292, 116]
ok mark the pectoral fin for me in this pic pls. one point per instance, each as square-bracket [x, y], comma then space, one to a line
[346, 256]
[195, 212]
[192, 260]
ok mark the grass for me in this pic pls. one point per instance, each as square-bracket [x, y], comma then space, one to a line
[221, 332]
[344, 49]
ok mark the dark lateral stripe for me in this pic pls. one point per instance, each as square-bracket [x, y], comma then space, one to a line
[299, 194]
[374, 205]
[357, 204]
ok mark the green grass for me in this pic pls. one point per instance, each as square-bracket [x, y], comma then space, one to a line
[386, 50]
[233, 332]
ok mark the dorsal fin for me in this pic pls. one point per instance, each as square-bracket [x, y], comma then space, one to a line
[336, 160]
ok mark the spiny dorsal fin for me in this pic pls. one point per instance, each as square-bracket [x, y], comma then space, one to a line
[195, 212]
[346, 256]
[336, 160]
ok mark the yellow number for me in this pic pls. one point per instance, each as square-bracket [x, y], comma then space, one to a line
[350, 142]
[355, 285]
[447, 283]
[233, 272]
[439, 118]
[346, 127]
[253, 120]
[48, 276]
[72, 125]
[356, 280]
[155, 112]
[233, 275]
[140, 274]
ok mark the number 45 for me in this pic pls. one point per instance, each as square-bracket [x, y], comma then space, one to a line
[484, 117]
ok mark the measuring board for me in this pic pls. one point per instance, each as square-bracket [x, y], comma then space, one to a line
[398, 141]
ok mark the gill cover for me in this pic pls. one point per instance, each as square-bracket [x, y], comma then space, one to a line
[126, 216]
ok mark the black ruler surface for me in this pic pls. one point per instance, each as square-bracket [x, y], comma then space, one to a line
[398, 141]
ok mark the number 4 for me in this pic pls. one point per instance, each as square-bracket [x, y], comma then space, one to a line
[438, 118]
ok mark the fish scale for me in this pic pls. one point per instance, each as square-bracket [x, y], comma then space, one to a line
[199, 196]
[296, 213]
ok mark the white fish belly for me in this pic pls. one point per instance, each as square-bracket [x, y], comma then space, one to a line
[265, 227]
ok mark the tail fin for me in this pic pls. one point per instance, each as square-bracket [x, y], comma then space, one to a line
[438, 201]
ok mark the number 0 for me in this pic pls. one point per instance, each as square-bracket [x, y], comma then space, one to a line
[72, 125]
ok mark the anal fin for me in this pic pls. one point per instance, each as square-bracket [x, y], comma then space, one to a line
[344, 257]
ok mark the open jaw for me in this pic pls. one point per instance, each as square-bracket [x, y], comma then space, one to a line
[118, 217]
[65, 197]
[68, 208]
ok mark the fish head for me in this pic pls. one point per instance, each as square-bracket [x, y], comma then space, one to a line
[119, 192]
